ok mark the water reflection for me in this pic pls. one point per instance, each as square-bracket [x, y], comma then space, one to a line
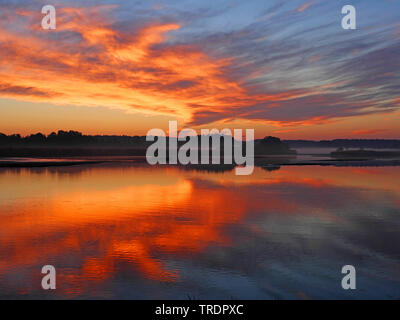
[133, 231]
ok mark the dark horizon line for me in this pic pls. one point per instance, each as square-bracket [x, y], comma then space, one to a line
[77, 134]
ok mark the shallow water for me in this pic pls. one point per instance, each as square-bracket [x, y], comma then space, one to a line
[138, 232]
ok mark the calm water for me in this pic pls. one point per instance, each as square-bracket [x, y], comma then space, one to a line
[138, 232]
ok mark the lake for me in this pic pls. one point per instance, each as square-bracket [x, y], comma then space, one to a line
[131, 231]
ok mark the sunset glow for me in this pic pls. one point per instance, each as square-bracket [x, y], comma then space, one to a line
[83, 210]
[121, 69]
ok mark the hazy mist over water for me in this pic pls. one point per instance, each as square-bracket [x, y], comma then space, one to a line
[139, 232]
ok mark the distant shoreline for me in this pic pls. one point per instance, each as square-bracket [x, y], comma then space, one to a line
[38, 164]
[260, 161]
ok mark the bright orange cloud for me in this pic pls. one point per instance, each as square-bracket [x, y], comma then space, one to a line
[367, 131]
[137, 70]
[91, 60]
[304, 6]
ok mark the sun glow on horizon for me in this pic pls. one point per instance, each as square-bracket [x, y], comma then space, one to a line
[99, 74]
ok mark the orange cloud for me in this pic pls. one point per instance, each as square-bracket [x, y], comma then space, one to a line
[90, 60]
[367, 131]
[315, 58]
[136, 70]
[304, 6]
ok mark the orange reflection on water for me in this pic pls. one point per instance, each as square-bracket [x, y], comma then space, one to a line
[126, 222]
[105, 216]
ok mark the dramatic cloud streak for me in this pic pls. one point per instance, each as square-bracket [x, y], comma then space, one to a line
[304, 6]
[171, 62]
[107, 67]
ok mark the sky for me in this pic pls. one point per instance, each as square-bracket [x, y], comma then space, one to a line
[284, 68]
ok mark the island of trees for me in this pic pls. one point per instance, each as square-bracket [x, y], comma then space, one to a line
[73, 143]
